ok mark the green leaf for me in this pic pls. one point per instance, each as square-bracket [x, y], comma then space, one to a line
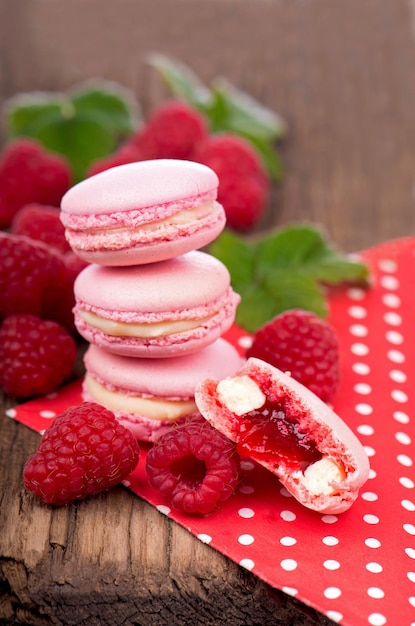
[234, 110]
[181, 80]
[283, 270]
[114, 106]
[22, 112]
[269, 155]
[237, 255]
[81, 139]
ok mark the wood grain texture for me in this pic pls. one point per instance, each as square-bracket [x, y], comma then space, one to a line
[341, 73]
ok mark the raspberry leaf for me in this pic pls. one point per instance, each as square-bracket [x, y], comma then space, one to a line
[182, 81]
[283, 270]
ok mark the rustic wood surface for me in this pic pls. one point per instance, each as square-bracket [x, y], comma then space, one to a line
[341, 73]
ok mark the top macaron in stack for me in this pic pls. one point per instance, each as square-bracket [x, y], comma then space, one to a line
[152, 306]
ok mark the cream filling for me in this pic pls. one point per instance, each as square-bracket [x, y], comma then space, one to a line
[142, 331]
[240, 394]
[182, 217]
[153, 408]
[320, 477]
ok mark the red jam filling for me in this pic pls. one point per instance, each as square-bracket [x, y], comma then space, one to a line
[270, 434]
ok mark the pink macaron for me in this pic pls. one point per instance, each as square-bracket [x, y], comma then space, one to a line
[148, 396]
[285, 427]
[143, 212]
[155, 310]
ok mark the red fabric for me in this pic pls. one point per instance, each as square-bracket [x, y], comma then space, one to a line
[359, 567]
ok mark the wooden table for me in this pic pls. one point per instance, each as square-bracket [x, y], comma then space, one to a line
[341, 73]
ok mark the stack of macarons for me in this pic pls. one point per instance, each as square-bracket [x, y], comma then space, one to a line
[152, 306]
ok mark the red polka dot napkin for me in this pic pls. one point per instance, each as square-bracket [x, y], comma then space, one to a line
[358, 568]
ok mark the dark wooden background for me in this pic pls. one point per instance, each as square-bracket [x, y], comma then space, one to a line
[341, 72]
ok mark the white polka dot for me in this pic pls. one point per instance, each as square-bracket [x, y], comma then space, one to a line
[370, 451]
[389, 282]
[372, 474]
[52, 395]
[329, 540]
[332, 593]
[11, 413]
[374, 568]
[331, 564]
[359, 349]
[42, 432]
[126, 483]
[397, 376]
[292, 591]
[335, 616]
[369, 496]
[285, 493]
[376, 593]
[204, 537]
[411, 553]
[329, 519]
[371, 542]
[289, 565]
[163, 509]
[288, 516]
[246, 539]
[245, 342]
[247, 466]
[406, 482]
[401, 417]
[247, 564]
[354, 293]
[411, 600]
[395, 356]
[370, 519]
[403, 438]
[358, 312]
[246, 489]
[409, 528]
[363, 388]
[47, 414]
[361, 368]
[392, 318]
[288, 541]
[246, 513]
[365, 429]
[358, 330]
[399, 396]
[405, 460]
[376, 619]
[391, 300]
[408, 505]
[394, 337]
[387, 265]
[363, 408]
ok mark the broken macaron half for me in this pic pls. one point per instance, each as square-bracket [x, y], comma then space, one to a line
[285, 427]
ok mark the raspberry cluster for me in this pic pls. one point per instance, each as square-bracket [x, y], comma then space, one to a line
[37, 271]
[176, 130]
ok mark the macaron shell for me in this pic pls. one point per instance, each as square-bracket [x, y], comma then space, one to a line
[138, 186]
[168, 242]
[331, 433]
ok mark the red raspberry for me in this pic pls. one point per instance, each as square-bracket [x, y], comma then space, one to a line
[42, 223]
[174, 131]
[127, 153]
[29, 173]
[84, 451]
[36, 355]
[243, 181]
[303, 344]
[194, 467]
[29, 270]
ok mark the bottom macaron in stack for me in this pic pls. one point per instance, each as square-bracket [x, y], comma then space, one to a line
[154, 322]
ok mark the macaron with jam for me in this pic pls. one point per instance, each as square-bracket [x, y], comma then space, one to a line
[143, 212]
[148, 396]
[156, 310]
